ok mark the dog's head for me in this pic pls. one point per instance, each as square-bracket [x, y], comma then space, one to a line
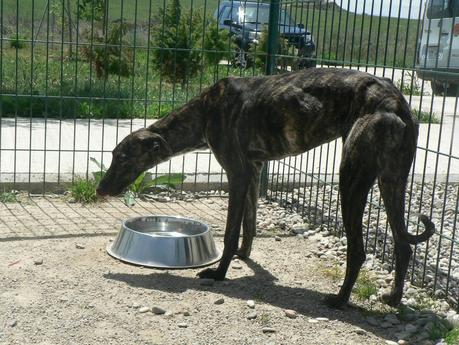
[136, 153]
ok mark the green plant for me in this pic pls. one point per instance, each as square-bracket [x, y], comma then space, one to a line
[410, 85]
[18, 42]
[178, 37]
[7, 197]
[111, 52]
[264, 319]
[425, 116]
[452, 337]
[84, 191]
[141, 184]
[215, 43]
[91, 9]
[333, 272]
[365, 286]
[259, 52]
[437, 330]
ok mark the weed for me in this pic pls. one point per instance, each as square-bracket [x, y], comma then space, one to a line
[365, 286]
[452, 337]
[437, 330]
[18, 42]
[410, 85]
[84, 191]
[264, 319]
[425, 116]
[333, 272]
[7, 197]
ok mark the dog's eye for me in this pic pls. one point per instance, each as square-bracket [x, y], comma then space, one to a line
[123, 156]
[156, 146]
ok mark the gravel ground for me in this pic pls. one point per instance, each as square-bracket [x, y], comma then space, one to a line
[58, 286]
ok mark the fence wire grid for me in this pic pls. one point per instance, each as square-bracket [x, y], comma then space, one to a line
[77, 76]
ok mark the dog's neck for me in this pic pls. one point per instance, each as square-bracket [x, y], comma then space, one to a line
[183, 129]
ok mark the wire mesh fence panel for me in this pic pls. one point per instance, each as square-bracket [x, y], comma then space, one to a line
[77, 76]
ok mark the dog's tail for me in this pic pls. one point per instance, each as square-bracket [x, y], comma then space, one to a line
[422, 237]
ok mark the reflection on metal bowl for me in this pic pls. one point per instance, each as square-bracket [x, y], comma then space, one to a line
[164, 242]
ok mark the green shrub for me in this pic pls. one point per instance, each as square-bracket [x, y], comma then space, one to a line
[110, 53]
[18, 42]
[216, 43]
[178, 57]
[259, 52]
[89, 9]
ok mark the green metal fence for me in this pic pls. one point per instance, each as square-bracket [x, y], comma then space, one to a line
[77, 76]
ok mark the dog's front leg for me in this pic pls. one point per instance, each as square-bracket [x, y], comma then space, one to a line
[249, 224]
[238, 186]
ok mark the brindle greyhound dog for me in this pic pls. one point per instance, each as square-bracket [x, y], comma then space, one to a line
[247, 121]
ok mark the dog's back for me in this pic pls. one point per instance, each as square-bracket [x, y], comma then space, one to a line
[309, 108]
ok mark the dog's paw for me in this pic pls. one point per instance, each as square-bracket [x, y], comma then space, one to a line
[391, 299]
[211, 273]
[334, 301]
[243, 253]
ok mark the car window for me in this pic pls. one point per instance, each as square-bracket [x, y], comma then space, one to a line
[442, 9]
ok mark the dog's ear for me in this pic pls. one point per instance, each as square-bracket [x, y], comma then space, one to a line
[154, 142]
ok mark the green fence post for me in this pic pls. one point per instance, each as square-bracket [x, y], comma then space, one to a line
[273, 33]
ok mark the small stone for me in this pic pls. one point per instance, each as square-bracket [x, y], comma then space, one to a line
[144, 310]
[236, 265]
[268, 330]
[186, 313]
[402, 342]
[386, 324]
[38, 262]
[299, 230]
[13, 323]
[253, 315]
[360, 331]
[410, 328]
[290, 313]
[277, 238]
[251, 304]
[158, 311]
[324, 319]
[219, 301]
[79, 246]
[182, 325]
[372, 321]
[390, 342]
[135, 305]
[206, 282]
[313, 321]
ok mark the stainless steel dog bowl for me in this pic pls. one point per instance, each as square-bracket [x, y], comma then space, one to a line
[164, 242]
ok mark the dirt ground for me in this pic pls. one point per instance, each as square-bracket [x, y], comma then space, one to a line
[58, 285]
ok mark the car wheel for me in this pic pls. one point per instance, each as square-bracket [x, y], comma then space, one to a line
[441, 88]
[451, 90]
[240, 58]
[438, 88]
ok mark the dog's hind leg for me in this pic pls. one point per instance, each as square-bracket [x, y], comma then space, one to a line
[249, 225]
[357, 175]
[393, 194]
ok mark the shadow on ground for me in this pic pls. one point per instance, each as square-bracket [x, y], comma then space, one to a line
[261, 286]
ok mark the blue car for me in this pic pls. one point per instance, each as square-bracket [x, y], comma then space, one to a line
[246, 20]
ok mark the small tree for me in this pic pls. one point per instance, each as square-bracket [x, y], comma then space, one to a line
[259, 52]
[177, 58]
[91, 10]
[111, 54]
[216, 43]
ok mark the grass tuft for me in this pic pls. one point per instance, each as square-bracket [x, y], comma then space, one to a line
[84, 191]
[425, 116]
[365, 286]
[452, 337]
[7, 197]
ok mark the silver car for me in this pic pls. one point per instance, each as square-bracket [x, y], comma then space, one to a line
[438, 49]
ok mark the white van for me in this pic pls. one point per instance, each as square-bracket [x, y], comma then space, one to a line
[438, 49]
